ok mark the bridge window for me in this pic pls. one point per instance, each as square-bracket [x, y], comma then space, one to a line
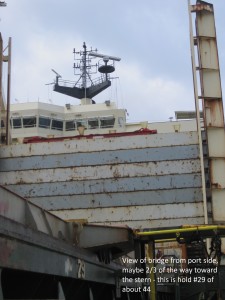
[57, 124]
[17, 123]
[29, 122]
[107, 122]
[93, 123]
[70, 125]
[44, 122]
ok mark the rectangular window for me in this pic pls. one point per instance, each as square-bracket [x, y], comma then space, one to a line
[93, 123]
[107, 122]
[16, 122]
[70, 125]
[44, 122]
[57, 124]
[29, 122]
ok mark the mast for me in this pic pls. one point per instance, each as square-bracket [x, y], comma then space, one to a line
[86, 87]
[84, 68]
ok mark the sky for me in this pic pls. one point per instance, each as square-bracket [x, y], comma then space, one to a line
[151, 37]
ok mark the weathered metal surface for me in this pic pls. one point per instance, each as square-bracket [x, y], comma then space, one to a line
[214, 115]
[201, 6]
[159, 223]
[200, 133]
[98, 158]
[218, 205]
[181, 195]
[217, 141]
[211, 93]
[108, 171]
[25, 249]
[18, 209]
[100, 144]
[108, 185]
[29, 250]
[217, 168]
[136, 181]
[134, 213]
[211, 77]
[96, 237]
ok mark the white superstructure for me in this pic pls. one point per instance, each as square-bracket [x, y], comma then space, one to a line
[48, 120]
[38, 119]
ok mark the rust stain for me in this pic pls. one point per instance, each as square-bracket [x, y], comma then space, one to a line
[201, 7]
[116, 173]
[21, 181]
[216, 112]
[216, 185]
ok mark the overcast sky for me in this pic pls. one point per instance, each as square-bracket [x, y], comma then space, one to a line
[150, 36]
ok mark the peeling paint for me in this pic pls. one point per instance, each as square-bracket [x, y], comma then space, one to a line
[68, 266]
[140, 179]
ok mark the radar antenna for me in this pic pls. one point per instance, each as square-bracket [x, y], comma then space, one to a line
[86, 86]
[105, 68]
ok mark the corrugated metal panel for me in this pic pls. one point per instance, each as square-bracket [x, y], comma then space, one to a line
[100, 144]
[106, 171]
[108, 185]
[136, 213]
[154, 180]
[99, 158]
[154, 197]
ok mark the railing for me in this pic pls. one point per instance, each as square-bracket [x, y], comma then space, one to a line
[69, 83]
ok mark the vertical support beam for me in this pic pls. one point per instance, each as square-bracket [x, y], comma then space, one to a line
[1, 292]
[8, 93]
[198, 115]
[91, 297]
[184, 255]
[61, 295]
[151, 255]
[211, 94]
[137, 253]
[118, 287]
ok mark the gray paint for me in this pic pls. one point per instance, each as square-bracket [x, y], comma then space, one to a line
[119, 199]
[157, 176]
[99, 158]
[108, 185]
